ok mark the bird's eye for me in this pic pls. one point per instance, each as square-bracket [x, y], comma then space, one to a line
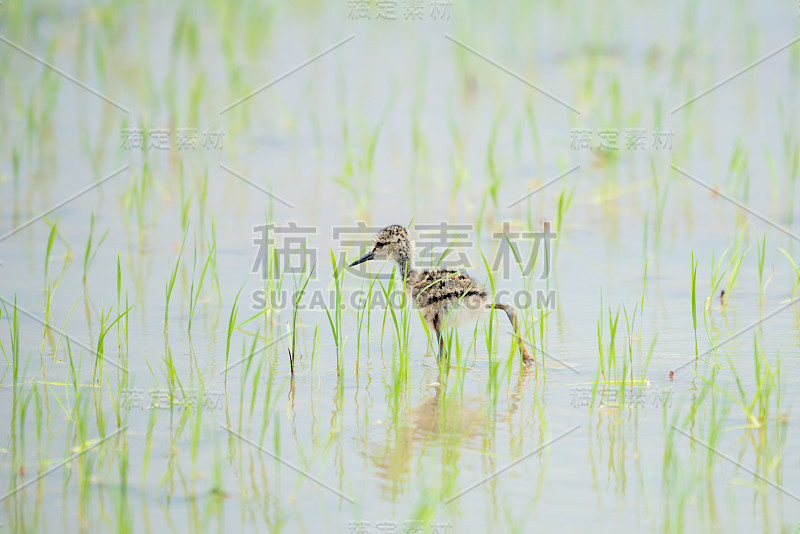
[379, 244]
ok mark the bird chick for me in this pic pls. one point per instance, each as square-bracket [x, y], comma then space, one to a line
[445, 297]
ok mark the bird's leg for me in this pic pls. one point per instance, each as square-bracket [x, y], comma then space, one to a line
[436, 325]
[441, 343]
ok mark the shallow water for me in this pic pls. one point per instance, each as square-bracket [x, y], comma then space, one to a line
[384, 436]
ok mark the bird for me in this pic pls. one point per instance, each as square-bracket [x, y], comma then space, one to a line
[445, 297]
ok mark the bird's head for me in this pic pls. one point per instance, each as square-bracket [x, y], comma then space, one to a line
[392, 243]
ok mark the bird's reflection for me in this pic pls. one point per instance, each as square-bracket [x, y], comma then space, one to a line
[448, 423]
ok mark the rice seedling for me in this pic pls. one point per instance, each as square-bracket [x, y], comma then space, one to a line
[355, 166]
[526, 272]
[734, 266]
[762, 286]
[756, 410]
[203, 200]
[600, 350]
[138, 195]
[99, 353]
[641, 307]
[495, 174]
[247, 358]
[15, 168]
[122, 506]
[255, 384]
[315, 347]
[213, 255]
[119, 299]
[489, 329]
[48, 299]
[716, 277]
[716, 421]
[335, 320]
[369, 160]
[564, 203]
[48, 253]
[460, 175]
[607, 364]
[361, 312]
[420, 150]
[793, 155]
[796, 270]
[542, 326]
[23, 410]
[384, 292]
[537, 145]
[660, 199]
[173, 378]
[170, 285]
[366, 308]
[195, 441]
[40, 424]
[630, 328]
[185, 199]
[116, 400]
[271, 394]
[194, 296]
[231, 324]
[2, 348]
[694, 302]
[646, 365]
[148, 442]
[401, 320]
[298, 295]
[737, 169]
[773, 173]
[90, 253]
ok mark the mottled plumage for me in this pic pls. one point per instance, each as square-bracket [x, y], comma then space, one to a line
[445, 297]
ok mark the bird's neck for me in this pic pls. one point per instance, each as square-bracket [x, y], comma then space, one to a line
[405, 267]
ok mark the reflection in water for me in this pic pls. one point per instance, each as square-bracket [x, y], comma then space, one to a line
[445, 422]
[448, 428]
[450, 421]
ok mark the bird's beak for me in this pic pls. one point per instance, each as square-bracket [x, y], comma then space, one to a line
[366, 257]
